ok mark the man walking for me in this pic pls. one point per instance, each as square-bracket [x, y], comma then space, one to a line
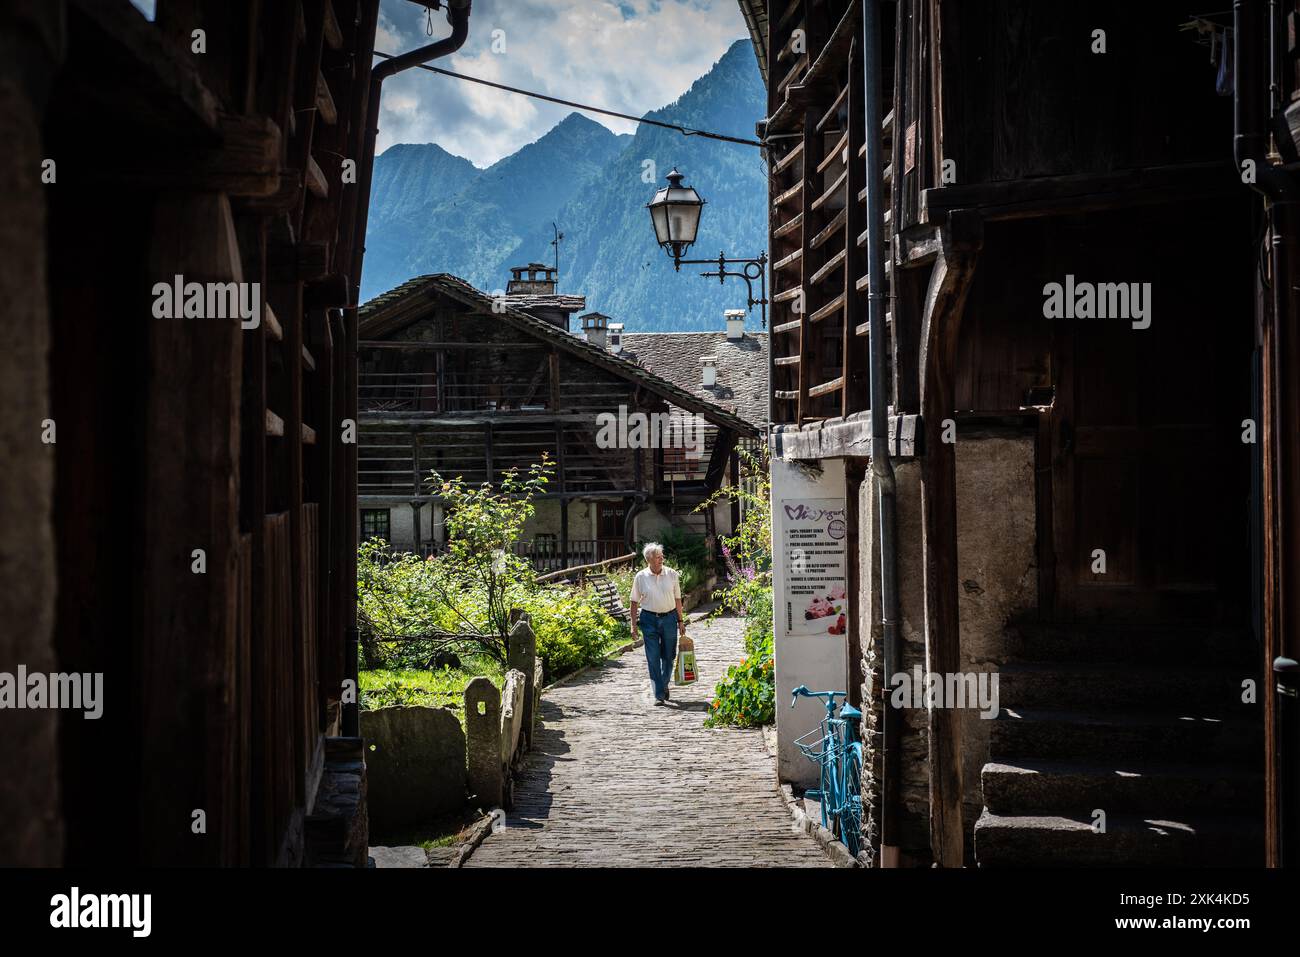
[657, 609]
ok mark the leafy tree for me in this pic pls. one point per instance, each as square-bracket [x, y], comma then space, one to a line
[482, 576]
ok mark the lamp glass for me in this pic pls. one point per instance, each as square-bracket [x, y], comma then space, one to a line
[675, 213]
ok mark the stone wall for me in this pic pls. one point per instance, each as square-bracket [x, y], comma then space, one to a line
[997, 572]
[997, 577]
[421, 764]
[415, 766]
[913, 827]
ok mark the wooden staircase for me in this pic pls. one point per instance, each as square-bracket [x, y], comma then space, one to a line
[1145, 725]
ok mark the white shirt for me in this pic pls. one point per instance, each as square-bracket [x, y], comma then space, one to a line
[657, 593]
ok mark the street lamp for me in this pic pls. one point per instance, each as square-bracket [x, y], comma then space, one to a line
[675, 213]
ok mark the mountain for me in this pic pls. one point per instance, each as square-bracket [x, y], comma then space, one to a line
[475, 232]
[408, 177]
[592, 184]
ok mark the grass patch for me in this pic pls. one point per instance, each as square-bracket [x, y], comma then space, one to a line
[445, 831]
[442, 688]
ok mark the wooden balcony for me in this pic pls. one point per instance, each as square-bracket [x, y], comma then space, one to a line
[398, 394]
[546, 554]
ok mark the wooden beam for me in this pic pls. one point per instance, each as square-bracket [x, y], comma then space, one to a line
[415, 463]
[244, 163]
[273, 329]
[438, 346]
[333, 34]
[856, 395]
[1083, 192]
[723, 446]
[556, 402]
[162, 89]
[325, 107]
[848, 437]
[945, 301]
[809, 368]
[186, 632]
[298, 262]
[314, 179]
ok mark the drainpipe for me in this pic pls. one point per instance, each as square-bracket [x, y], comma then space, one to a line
[882, 468]
[458, 15]
[1280, 195]
[1250, 138]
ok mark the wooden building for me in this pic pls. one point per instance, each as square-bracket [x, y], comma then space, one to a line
[1086, 481]
[455, 380]
[179, 493]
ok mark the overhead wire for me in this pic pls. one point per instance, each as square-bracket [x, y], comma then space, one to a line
[684, 130]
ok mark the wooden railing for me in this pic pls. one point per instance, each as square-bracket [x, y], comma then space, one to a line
[421, 392]
[548, 557]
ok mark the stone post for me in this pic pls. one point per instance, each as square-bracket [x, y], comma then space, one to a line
[514, 713]
[483, 741]
[522, 656]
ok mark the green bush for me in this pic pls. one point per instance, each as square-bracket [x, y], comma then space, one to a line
[685, 551]
[429, 625]
[573, 629]
[746, 696]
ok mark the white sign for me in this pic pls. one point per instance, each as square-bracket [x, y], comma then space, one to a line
[815, 538]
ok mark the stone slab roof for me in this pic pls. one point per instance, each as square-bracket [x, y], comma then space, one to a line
[741, 385]
[385, 313]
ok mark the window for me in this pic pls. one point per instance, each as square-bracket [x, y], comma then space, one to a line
[375, 524]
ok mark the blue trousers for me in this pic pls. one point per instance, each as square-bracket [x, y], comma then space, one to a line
[660, 633]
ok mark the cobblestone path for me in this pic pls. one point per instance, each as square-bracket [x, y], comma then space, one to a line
[614, 781]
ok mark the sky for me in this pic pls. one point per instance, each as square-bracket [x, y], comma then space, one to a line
[627, 55]
[632, 56]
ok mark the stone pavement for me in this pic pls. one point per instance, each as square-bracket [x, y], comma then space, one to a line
[613, 781]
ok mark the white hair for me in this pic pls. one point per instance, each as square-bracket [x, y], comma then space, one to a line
[652, 548]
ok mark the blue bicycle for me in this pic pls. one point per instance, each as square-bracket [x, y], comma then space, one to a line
[834, 745]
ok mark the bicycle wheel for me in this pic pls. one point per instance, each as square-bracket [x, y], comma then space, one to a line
[848, 823]
[826, 798]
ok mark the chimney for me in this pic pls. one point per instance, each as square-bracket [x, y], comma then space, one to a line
[710, 364]
[539, 282]
[616, 337]
[596, 327]
[735, 323]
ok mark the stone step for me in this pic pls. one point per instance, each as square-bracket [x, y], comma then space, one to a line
[1100, 685]
[1073, 789]
[1047, 841]
[1081, 735]
[1049, 641]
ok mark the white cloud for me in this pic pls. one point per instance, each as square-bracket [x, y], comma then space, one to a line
[632, 56]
